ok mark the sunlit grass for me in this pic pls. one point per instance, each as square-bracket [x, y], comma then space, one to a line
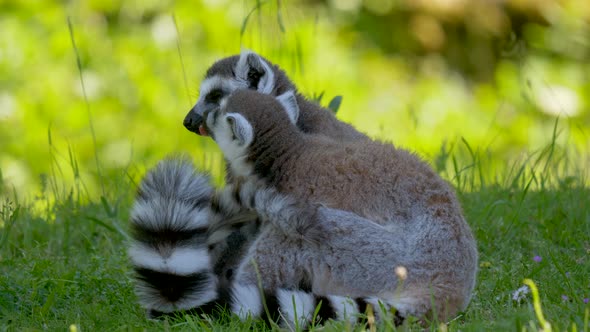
[99, 114]
[136, 77]
[73, 269]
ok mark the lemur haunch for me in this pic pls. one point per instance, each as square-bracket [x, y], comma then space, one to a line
[181, 263]
[250, 71]
[413, 207]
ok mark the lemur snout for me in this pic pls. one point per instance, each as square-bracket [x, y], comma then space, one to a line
[193, 121]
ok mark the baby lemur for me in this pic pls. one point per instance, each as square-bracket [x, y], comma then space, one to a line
[180, 260]
[416, 213]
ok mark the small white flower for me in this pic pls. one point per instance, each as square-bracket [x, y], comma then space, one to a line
[520, 294]
[401, 272]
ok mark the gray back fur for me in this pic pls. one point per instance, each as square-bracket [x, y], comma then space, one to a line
[410, 205]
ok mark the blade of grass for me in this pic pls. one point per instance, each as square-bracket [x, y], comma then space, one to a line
[1, 182]
[188, 94]
[9, 216]
[91, 124]
[476, 163]
[115, 228]
[247, 18]
[53, 166]
[545, 326]
[334, 104]
[280, 17]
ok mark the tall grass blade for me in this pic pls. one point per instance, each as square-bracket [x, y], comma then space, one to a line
[247, 18]
[477, 164]
[113, 228]
[280, 17]
[545, 325]
[554, 135]
[188, 94]
[53, 166]
[9, 215]
[111, 212]
[91, 124]
[299, 54]
[50, 302]
[297, 328]
[273, 325]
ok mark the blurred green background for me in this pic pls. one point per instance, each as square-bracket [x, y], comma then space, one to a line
[435, 76]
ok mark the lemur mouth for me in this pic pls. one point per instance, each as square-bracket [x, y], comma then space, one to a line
[203, 131]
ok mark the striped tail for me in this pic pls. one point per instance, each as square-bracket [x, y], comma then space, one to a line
[168, 251]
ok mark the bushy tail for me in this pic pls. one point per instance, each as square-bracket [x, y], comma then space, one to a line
[169, 224]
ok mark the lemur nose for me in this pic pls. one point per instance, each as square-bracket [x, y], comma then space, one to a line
[192, 121]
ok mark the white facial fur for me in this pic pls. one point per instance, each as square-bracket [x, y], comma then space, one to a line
[233, 134]
[217, 82]
[240, 80]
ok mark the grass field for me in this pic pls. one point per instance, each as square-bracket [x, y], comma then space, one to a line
[63, 262]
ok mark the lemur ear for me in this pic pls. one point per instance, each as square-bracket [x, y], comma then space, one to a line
[289, 102]
[241, 128]
[256, 73]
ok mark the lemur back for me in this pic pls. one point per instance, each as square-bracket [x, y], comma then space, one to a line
[376, 181]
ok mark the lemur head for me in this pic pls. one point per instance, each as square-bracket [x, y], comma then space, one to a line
[247, 71]
[245, 116]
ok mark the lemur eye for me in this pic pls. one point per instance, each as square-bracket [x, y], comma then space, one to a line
[214, 96]
[230, 121]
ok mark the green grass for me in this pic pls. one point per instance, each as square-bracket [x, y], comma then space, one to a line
[63, 254]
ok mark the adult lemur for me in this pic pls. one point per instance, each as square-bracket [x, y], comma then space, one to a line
[250, 71]
[180, 260]
[395, 201]
[419, 219]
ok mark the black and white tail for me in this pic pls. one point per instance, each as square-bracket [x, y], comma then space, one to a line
[169, 224]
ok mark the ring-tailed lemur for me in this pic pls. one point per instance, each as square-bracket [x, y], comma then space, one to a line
[183, 264]
[416, 210]
[250, 71]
